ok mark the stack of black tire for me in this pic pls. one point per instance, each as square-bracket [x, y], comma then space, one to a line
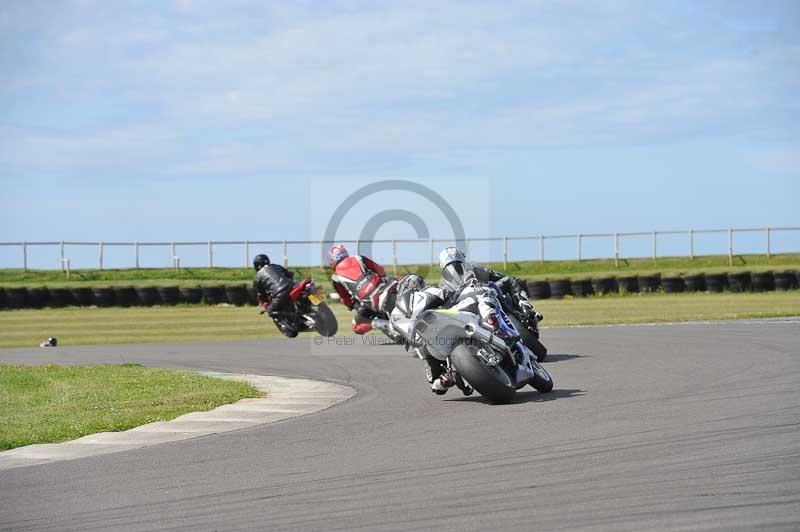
[126, 296]
[713, 282]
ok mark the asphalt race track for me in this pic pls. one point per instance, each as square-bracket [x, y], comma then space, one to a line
[669, 427]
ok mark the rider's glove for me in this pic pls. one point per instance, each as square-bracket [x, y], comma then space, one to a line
[525, 306]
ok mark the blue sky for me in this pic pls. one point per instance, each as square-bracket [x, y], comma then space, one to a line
[198, 120]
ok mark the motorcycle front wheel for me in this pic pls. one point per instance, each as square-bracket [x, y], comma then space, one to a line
[492, 382]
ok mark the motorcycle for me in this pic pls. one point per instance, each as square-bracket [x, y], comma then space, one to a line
[308, 312]
[525, 323]
[481, 358]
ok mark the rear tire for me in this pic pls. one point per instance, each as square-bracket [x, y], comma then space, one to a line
[324, 319]
[492, 382]
[529, 339]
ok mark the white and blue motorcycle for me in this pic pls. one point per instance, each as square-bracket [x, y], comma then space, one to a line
[462, 341]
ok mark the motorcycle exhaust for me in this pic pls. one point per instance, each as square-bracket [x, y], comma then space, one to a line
[485, 336]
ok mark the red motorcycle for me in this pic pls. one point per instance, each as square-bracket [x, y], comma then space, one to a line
[308, 312]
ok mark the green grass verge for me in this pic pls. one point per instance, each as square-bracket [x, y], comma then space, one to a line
[526, 269]
[50, 404]
[77, 326]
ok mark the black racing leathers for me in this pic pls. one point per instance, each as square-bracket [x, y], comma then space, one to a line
[273, 283]
[454, 277]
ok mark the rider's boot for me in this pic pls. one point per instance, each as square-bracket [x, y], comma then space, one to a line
[381, 324]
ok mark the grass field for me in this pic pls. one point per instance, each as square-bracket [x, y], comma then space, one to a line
[76, 326]
[527, 270]
[50, 404]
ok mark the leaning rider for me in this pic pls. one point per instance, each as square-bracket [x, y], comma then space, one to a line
[273, 283]
[362, 286]
[456, 272]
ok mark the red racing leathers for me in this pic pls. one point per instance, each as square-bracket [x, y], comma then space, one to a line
[361, 283]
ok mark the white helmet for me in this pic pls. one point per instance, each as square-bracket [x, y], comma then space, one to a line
[448, 255]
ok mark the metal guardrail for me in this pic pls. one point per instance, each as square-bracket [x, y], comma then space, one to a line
[541, 239]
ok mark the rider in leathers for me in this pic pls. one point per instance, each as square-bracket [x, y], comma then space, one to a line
[471, 296]
[273, 283]
[456, 270]
[362, 286]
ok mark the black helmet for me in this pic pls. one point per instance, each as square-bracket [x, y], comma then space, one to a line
[260, 261]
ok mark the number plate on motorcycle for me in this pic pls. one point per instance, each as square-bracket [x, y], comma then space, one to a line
[314, 298]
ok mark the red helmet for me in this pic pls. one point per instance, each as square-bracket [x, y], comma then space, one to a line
[337, 254]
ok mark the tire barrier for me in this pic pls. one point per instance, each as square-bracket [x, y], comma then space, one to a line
[192, 295]
[148, 295]
[739, 282]
[16, 297]
[604, 285]
[103, 297]
[628, 285]
[125, 296]
[538, 289]
[83, 296]
[169, 295]
[252, 295]
[214, 295]
[672, 285]
[762, 281]
[560, 288]
[716, 282]
[785, 280]
[649, 283]
[61, 297]
[236, 295]
[582, 288]
[695, 283]
[38, 297]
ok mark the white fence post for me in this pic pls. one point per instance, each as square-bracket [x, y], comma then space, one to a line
[25, 255]
[541, 248]
[174, 255]
[578, 239]
[691, 243]
[285, 254]
[616, 250]
[358, 247]
[321, 254]
[246, 254]
[505, 252]
[61, 254]
[101, 254]
[769, 250]
[430, 243]
[394, 257]
[136, 253]
[655, 253]
[730, 246]
[210, 255]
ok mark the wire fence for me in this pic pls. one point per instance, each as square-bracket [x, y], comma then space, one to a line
[535, 248]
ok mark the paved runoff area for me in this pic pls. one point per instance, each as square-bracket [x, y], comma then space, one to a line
[287, 398]
[671, 427]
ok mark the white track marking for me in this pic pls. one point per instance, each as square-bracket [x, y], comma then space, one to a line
[287, 398]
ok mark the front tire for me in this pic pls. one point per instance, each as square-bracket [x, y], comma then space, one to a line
[324, 320]
[492, 382]
[529, 339]
[542, 380]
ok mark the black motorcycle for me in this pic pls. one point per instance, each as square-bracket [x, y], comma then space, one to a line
[525, 323]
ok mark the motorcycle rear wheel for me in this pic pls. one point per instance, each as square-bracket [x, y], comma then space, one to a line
[324, 320]
[529, 339]
[492, 382]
